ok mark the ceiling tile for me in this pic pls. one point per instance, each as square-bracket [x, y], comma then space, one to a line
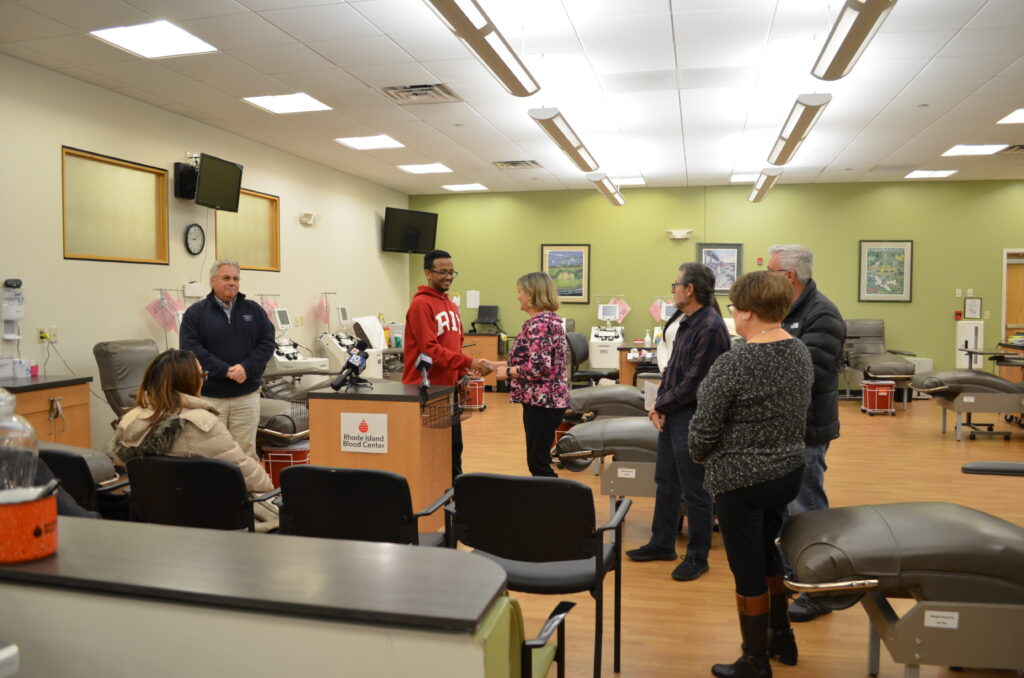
[177, 10]
[18, 23]
[89, 16]
[999, 14]
[139, 73]
[322, 22]
[288, 58]
[628, 44]
[236, 31]
[393, 75]
[78, 50]
[362, 51]
[251, 86]
[209, 66]
[19, 51]
[930, 15]
[321, 82]
[1004, 41]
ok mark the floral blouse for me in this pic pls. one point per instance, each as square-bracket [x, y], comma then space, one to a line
[539, 359]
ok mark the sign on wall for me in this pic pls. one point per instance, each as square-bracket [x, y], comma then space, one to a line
[367, 433]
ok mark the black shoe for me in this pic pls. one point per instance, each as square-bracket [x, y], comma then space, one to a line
[649, 552]
[689, 569]
[805, 608]
[747, 666]
[782, 646]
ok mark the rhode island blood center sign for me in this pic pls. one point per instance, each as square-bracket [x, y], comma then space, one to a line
[364, 433]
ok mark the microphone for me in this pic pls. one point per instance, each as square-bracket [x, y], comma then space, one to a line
[353, 367]
[423, 363]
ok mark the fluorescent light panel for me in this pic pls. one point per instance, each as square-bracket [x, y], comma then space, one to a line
[154, 40]
[805, 112]
[764, 184]
[370, 143]
[464, 187]
[607, 188]
[979, 149]
[299, 102]
[470, 24]
[1015, 118]
[856, 25]
[432, 168]
[930, 174]
[561, 132]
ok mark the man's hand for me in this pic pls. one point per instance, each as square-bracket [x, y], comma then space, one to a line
[482, 366]
[237, 373]
[658, 419]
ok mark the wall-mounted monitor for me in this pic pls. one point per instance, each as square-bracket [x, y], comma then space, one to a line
[408, 231]
[608, 312]
[219, 183]
[284, 323]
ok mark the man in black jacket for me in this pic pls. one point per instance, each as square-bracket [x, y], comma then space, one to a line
[233, 339]
[815, 321]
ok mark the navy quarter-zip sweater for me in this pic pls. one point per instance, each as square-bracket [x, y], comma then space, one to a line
[247, 340]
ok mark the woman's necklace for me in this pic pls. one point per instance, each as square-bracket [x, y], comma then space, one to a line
[764, 332]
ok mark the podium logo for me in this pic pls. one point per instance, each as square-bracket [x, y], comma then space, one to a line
[364, 433]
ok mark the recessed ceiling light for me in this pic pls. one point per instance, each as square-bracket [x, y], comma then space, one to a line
[1015, 118]
[432, 168]
[930, 174]
[628, 181]
[154, 40]
[743, 178]
[464, 187]
[979, 149]
[370, 143]
[289, 103]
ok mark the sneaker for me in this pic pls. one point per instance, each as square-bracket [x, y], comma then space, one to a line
[805, 608]
[689, 569]
[649, 552]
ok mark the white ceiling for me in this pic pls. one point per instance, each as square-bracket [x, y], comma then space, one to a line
[682, 92]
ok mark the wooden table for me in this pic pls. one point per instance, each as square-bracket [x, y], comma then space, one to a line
[57, 407]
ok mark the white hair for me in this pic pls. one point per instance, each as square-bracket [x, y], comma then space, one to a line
[223, 262]
[796, 258]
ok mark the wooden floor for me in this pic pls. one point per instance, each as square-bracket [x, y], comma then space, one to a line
[679, 629]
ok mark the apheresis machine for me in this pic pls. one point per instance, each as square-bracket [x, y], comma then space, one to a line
[286, 358]
[606, 339]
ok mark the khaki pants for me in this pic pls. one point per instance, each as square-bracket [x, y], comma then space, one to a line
[240, 415]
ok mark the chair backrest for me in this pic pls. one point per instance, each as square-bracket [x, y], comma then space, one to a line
[74, 474]
[191, 492]
[346, 503]
[525, 518]
[579, 349]
[487, 315]
[864, 337]
[122, 364]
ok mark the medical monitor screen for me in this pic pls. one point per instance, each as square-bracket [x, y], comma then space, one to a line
[608, 312]
[219, 183]
[408, 231]
[282, 319]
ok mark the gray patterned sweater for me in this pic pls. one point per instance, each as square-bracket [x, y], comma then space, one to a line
[751, 414]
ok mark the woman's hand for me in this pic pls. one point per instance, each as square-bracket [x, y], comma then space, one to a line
[658, 419]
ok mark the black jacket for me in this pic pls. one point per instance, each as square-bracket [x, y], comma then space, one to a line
[247, 340]
[817, 323]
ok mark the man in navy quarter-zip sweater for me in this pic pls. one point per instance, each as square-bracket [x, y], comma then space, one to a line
[233, 339]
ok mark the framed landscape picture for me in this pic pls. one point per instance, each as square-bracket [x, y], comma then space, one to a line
[569, 267]
[725, 260]
[886, 270]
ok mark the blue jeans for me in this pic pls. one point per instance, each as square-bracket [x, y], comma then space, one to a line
[679, 479]
[812, 490]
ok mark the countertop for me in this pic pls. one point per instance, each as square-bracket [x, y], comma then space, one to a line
[23, 384]
[382, 390]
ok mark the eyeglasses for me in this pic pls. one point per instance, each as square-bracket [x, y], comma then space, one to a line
[204, 374]
[730, 307]
[779, 270]
[677, 284]
[446, 274]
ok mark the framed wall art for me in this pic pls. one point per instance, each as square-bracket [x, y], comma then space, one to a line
[725, 260]
[569, 267]
[886, 270]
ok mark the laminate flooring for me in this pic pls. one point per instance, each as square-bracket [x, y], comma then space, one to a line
[676, 629]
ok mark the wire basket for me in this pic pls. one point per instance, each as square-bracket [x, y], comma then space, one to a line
[440, 413]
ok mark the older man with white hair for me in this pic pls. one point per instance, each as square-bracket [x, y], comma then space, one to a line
[233, 339]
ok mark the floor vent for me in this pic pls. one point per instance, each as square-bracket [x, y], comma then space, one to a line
[421, 94]
[517, 164]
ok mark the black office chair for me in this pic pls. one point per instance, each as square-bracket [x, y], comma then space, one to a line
[191, 492]
[543, 532]
[579, 353]
[487, 315]
[90, 479]
[360, 504]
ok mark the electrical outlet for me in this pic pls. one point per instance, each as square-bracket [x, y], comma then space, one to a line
[988, 315]
[42, 335]
[959, 292]
[300, 320]
[52, 331]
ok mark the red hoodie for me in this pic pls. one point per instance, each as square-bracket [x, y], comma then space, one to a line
[433, 326]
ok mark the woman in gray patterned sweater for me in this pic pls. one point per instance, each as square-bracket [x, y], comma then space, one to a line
[749, 433]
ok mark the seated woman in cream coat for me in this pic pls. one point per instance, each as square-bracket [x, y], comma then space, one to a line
[170, 418]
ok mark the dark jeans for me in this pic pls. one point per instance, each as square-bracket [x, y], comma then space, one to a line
[456, 449]
[750, 519]
[540, 424]
[679, 480]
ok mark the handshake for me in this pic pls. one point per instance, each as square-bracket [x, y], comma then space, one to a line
[483, 366]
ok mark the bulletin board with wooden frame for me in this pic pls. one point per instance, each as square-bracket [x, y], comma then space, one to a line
[252, 235]
[113, 209]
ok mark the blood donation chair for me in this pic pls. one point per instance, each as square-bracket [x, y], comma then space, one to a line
[971, 391]
[964, 568]
[867, 357]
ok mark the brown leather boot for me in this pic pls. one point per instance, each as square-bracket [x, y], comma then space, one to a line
[754, 629]
[781, 642]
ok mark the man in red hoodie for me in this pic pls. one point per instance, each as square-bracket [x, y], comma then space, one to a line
[433, 327]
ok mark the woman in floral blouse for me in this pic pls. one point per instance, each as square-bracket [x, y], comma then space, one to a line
[536, 368]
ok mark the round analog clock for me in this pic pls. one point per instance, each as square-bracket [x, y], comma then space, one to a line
[195, 238]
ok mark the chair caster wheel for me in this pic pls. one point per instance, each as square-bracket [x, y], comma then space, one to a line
[862, 410]
[1020, 423]
[972, 437]
[1008, 418]
[990, 429]
[1006, 437]
[871, 414]
[892, 414]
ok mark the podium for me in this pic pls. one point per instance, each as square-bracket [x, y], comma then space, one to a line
[385, 428]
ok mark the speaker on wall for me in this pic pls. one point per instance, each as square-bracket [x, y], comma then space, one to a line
[185, 180]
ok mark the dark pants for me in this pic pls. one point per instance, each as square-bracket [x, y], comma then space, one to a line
[456, 448]
[680, 480]
[750, 519]
[540, 424]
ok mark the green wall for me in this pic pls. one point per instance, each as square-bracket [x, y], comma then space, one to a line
[959, 231]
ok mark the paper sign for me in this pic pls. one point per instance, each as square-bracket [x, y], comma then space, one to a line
[941, 620]
[472, 298]
[367, 433]
[968, 399]
[624, 472]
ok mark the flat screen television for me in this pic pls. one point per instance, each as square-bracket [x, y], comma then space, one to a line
[219, 183]
[408, 231]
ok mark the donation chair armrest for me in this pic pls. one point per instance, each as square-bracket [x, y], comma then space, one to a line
[113, 484]
[553, 622]
[438, 503]
[266, 497]
[994, 468]
[615, 522]
[895, 352]
[832, 586]
[298, 435]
